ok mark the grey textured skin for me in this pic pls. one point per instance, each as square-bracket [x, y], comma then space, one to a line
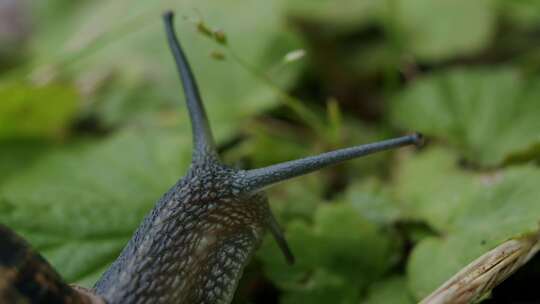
[194, 244]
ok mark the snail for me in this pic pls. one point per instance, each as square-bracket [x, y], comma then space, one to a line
[193, 245]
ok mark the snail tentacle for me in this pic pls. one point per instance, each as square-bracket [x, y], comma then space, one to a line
[261, 178]
[203, 141]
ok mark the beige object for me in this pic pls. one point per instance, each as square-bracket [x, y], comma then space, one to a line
[478, 278]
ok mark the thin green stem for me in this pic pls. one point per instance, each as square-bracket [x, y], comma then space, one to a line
[295, 104]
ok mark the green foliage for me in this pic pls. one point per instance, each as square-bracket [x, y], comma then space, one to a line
[473, 212]
[438, 30]
[18, 154]
[329, 267]
[93, 130]
[522, 13]
[139, 62]
[344, 15]
[79, 206]
[35, 111]
[488, 114]
[392, 290]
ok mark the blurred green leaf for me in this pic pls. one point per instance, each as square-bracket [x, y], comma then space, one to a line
[338, 255]
[374, 201]
[474, 212]
[297, 199]
[35, 111]
[522, 13]
[19, 154]
[80, 206]
[343, 14]
[488, 114]
[442, 29]
[125, 39]
[125, 99]
[392, 290]
[429, 195]
[105, 66]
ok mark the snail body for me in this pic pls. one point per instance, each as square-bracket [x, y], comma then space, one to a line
[194, 244]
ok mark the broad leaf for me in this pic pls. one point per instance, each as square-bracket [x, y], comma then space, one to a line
[489, 114]
[338, 255]
[391, 290]
[124, 42]
[80, 206]
[343, 14]
[474, 213]
[438, 30]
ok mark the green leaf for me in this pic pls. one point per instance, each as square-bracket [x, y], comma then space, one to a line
[322, 287]
[439, 30]
[489, 114]
[35, 111]
[392, 290]
[79, 206]
[343, 14]
[338, 255]
[374, 201]
[427, 194]
[523, 13]
[15, 155]
[124, 42]
[297, 199]
[261, 145]
[473, 212]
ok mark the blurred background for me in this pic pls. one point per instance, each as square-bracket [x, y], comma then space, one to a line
[93, 129]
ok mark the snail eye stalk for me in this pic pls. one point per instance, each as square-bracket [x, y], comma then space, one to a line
[204, 148]
[203, 141]
[277, 233]
[261, 178]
